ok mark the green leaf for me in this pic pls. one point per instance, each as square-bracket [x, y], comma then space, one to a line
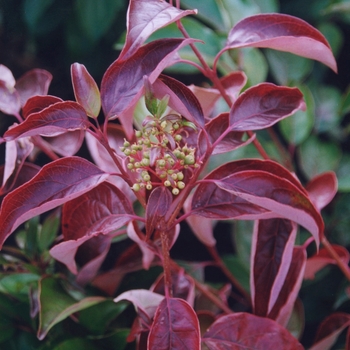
[76, 344]
[48, 231]
[96, 17]
[56, 304]
[297, 128]
[17, 283]
[7, 327]
[318, 156]
[238, 269]
[343, 174]
[334, 36]
[268, 6]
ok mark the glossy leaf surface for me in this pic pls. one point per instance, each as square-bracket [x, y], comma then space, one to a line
[144, 18]
[272, 248]
[175, 326]
[64, 306]
[284, 33]
[38, 103]
[264, 105]
[9, 101]
[245, 331]
[53, 120]
[86, 90]
[56, 183]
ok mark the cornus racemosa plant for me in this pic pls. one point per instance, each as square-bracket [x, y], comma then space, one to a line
[151, 140]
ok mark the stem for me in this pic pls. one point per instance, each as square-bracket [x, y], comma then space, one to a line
[343, 267]
[166, 263]
[213, 252]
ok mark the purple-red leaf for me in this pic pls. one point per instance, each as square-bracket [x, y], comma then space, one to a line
[322, 189]
[264, 105]
[246, 331]
[234, 83]
[330, 329]
[57, 182]
[144, 18]
[284, 33]
[122, 84]
[86, 91]
[181, 98]
[272, 248]
[158, 204]
[54, 120]
[33, 83]
[284, 305]
[38, 103]
[175, 326]
[323, 258]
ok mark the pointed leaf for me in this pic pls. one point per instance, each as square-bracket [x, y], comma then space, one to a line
[158, 204]
[6, 76]
[246, 331]
[9, 99]
[322, 189]
[272, 248]
[175, 326]
[33, 83]
[181, 98]
[86, 91]
[64, 305]
[51, 121]
[234, 83]
[329, 330]
[108, 207]
[57, 182]
[263, 105]
[207, 98]
[122, 83]
[281, 32]
[144, 18]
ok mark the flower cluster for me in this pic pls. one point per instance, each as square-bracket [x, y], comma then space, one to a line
[159, 154]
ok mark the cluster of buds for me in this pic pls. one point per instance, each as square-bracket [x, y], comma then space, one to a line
[159, 155]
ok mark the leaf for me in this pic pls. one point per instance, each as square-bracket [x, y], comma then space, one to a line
[86, 91]
[33, 83]
[245, 331]
[51, 121]
[322, 189]
[329, 330]
[122, 83]
[323, 258]
[38, 103]
[284, 33]
[108, 210]
[263, 105]
[181, 98]
[158, 204]
[283, 308]
[7, 76]
[175, 326]
[144, 18]
[9, 99]
[255, 186]
[234, 83]
[56, 183]
[207, 98]
[272, 248]
[51, 313]
[145, 301]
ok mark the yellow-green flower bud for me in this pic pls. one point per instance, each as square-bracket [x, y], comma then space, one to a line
[136, 187]
[175, 191]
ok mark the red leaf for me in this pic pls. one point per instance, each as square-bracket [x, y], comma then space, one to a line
[329, 330]
[207, 98]
[322, 189]
[264, 105]
[175, 326]
[86, 91]
[108, 210]
[57, 182]
[158, 204]
[38, 103]
[272, 248]
[245, 331]
[51, 121]
[144, 18]
[9, 99]
[122, 83]
[284, 33]
[268, 185]
[181, 98]
[283, 307]
[33, 83]
[234, 83]
[323, 258]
